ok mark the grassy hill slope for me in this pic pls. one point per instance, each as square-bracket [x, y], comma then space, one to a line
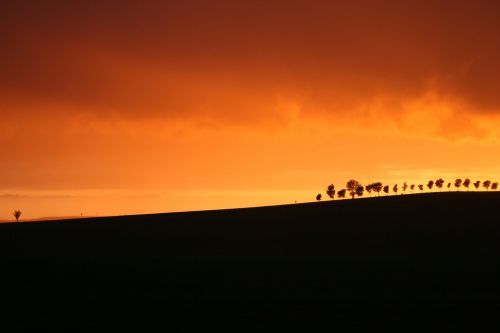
[398, 253]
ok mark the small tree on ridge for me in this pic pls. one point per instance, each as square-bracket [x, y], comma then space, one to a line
[439, 183]
[369, 189]
[467, 183]
[352, 186]
[359, 190]
[377, 187]
[386, 189]
[330, 191]
[17, 214]
[395, 189]
[430, 184]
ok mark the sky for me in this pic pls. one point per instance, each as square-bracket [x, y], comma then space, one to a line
[111, 108]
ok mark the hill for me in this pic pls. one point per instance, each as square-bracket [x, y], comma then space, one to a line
[388, 255]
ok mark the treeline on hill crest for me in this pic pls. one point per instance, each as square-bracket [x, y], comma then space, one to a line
[355, 189]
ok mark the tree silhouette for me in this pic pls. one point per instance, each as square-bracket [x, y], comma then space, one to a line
[439, 183]
[369, 189]
[359, 190]
[477, 184]
[330, 191]
[467, 183]
[386, 189]
[17, 214]
[352, 186]
[377, 187]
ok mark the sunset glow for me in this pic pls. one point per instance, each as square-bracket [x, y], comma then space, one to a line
[110, 108]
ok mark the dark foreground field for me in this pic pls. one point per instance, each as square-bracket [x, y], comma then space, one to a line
[366, 263]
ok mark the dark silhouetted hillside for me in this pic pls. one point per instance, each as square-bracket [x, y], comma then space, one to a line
[390, 256]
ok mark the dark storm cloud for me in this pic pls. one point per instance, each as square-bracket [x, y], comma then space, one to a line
[230, 59]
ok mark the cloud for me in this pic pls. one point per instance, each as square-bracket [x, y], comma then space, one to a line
[228, 62]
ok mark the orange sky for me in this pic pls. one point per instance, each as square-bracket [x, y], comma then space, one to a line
[157, 106]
